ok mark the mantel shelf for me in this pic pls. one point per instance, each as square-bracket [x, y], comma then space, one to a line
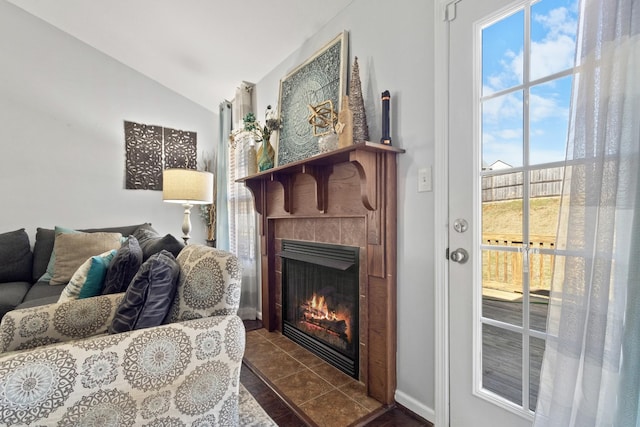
[363, 155]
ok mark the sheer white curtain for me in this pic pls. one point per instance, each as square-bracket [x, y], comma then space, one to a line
[243, 239]
[222, 177]
[590, 374]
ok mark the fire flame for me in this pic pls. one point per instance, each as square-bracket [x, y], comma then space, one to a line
[318, 303]
[318, 309]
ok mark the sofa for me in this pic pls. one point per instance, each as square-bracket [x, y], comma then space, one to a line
[22, 269]
[59, 365]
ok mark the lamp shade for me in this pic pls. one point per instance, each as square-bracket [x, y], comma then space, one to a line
[187, 186]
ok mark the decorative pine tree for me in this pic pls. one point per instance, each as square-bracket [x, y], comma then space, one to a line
[356, 104]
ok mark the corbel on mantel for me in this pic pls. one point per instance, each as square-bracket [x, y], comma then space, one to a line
[363, 155]
[370, 169]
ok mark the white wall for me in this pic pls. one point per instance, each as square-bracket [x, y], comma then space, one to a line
[394, 45]
[62, 108]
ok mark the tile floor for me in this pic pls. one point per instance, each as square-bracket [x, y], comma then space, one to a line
[317, 393]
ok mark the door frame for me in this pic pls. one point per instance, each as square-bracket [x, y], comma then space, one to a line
[444, 12]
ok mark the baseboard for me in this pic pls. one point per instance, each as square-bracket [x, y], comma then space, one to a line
[414, 406]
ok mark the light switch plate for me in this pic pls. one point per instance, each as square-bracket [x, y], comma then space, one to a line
[424, 179]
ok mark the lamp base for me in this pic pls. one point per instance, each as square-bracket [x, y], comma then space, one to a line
[186, 223]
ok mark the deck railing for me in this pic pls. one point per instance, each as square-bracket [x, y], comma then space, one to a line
[503, 269]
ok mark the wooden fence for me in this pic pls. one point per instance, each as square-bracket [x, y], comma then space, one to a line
[508, 186]
[503, 269]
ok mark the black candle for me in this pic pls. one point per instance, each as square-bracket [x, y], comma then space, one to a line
[386, 135]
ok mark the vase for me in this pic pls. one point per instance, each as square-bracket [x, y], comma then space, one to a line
[252, 158]
[328, 142]
[266, 154]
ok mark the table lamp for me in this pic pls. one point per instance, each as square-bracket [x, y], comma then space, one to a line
[188, 187]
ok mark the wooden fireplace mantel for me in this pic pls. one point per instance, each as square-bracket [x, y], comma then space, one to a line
[363, 155]
[287, 193]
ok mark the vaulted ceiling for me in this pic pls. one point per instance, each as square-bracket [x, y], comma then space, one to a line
[201, 49]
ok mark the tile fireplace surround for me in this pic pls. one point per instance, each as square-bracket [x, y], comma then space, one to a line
[346, 197]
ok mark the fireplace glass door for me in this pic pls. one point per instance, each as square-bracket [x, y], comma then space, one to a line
[320, 285]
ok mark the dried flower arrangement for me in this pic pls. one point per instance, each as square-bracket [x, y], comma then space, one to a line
[259, 132]
[208, 212]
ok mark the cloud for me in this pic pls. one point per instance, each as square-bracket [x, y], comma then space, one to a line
[552, 56]
[499, 149]
[553, 53]
[503, 107]
[543, 107]
[558, 21]
[510, 134]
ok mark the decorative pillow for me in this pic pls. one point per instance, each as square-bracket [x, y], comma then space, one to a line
[15, 257]
[73, 249]
[46, 277]
[149, 296]
[95, 279]
[209, 283]
[123, 267]
[88, 278]
[151, 242]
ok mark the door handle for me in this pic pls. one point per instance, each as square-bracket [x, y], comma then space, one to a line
[459, 255]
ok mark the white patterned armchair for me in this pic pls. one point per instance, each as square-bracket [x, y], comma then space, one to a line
[58, 365]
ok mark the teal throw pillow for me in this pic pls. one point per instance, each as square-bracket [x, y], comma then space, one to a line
[91, 274]
[95, 277]
[48, 275]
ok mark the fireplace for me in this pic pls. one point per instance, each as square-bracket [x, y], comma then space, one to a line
[320, 300]
[344, 197]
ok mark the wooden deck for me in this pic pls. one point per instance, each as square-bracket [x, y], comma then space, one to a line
[502, 349]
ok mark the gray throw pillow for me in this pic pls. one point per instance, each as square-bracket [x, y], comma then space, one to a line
[149, 296]
[123, 267]
[15, 257]
[151, 242]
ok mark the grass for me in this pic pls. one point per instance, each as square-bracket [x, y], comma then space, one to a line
[505, 217]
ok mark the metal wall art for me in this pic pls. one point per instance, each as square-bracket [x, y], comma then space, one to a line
[179, 149]
[150, 149]
[322, 77]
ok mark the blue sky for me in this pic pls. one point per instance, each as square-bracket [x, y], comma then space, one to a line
[553, 33]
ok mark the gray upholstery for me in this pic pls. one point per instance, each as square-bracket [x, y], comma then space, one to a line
[38, 302]
[11, 295]
[15, 256]
[42, 290]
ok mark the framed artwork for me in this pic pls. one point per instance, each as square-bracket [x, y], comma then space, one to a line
[320, 78]
[143, 163]
[150, 149]
[180, 149]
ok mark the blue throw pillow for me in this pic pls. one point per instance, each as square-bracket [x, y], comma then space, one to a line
[149, 296]
[123, 267]
[95, 277]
